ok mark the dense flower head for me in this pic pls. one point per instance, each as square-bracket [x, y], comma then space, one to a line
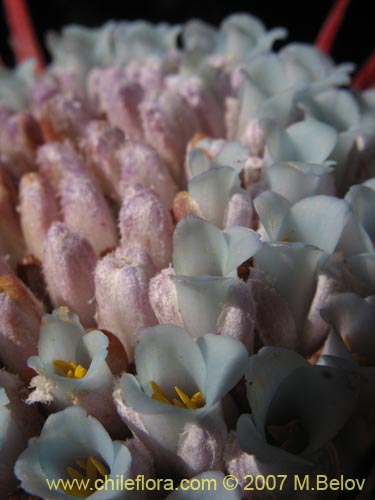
[187, 260]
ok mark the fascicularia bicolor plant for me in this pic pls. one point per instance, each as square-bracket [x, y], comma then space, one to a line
[187, 262]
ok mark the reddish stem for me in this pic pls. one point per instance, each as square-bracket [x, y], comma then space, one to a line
[365, 76]
[24, 42]
[327, 34]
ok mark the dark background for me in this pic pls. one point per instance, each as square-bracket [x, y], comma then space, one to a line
[303, 19]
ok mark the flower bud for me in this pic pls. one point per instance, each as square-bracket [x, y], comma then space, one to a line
[20, 316]
[19, 137]
[38, 209]
[63, 117]
[68, 265]
[86, 212]
[100, 143]
[145, 222]
[121, 289]
[123, 109]
[163, 298]
[55, 159]
[200, 446]
[239, 211]
[141, 164]
[203, 101]
[169, 123]
[11, 241]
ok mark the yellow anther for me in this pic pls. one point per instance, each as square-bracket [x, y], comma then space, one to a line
[286, 239]
[70, 369]
[102, 469]
[196, 401]
[185, 399]
[177, 402]
[80, 371]
[162, 399]
[74, 474]
[93, 469]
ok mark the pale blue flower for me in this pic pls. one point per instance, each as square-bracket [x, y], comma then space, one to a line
[205, 260]
[213, 190]
[208, 153]
[81, 48]
[239, 37]
[324, 221]
[353, 320]
[73, 444]
[72, 368]
[361, 259]
[264, 92]
[62, 338]
[290, 424]
[180, 382]
[201, 249]
[307, 141]
[15, 85]
[338, 109]
[297, 180]
[307, 64]
[362, 200]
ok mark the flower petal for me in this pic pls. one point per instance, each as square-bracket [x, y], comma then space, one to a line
[251, 442]
[243, 243]
[292, 270]
[317, 220]
[167, 355]
[362, 200]
[32, 476]
[272, 209]
[205, 296]
[212, 190]
[74, 435]
[265, 372]
[225, 358]
[297, 180]
[323, 409]
[59, 336]
[199, 248]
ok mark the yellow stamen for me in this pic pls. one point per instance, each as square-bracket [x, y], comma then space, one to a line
[177, 402]
[193, 403]
[158, 390]
[286, 239]
[93, 469]
[70, 369]
[162, 399]
[74, 474]
[102, 469]
[198, 399]
[185, 399]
